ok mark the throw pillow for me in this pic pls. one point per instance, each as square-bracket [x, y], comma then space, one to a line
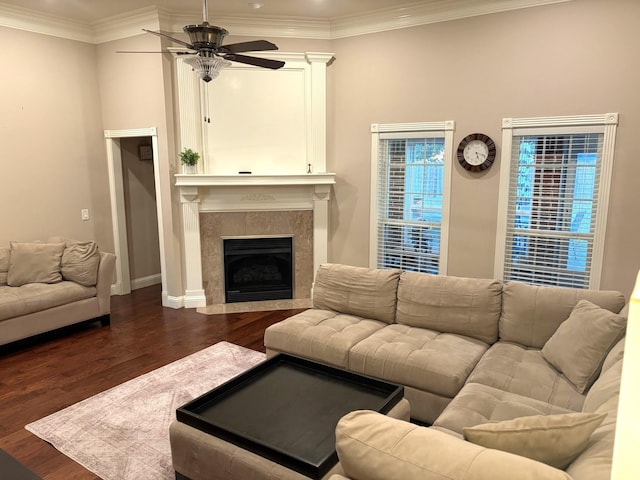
[80, 263]
[34, 262]
[5, 253]
[552, 439]
[581, 343]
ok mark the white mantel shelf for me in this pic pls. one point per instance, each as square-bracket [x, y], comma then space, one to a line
[208, 180]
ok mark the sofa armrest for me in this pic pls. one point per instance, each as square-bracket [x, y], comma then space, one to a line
[103, 282]
[372, 446]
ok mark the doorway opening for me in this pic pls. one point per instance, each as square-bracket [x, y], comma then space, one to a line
[130, 182]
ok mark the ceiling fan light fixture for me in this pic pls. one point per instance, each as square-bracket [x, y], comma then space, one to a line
[208, 67]
[211, 55]
[205, 35]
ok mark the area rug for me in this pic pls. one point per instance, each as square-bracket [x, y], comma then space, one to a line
[123, 433]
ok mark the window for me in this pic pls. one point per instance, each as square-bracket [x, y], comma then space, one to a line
[411, 171]
[554, 194]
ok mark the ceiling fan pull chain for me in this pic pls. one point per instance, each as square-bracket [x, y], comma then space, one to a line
[207, 118]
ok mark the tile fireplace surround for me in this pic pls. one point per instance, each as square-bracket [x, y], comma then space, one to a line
[217, 206]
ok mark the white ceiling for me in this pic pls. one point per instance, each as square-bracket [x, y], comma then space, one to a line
[91, 11]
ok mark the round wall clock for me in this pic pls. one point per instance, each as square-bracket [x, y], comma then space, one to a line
[476, 152]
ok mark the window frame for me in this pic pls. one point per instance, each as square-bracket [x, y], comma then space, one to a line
[412, 131]
[511, 127]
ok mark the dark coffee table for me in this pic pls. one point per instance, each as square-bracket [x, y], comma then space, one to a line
[286, 410]
[12, 469]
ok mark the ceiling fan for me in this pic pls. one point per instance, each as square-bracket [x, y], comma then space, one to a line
[208, 56]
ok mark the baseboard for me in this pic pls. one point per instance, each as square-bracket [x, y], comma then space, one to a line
[116, 288]
[189, 300]
[148, 281]
[171, 301]
[194, 298]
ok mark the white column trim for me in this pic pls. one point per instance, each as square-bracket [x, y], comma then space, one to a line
[318, 130]
[321, 197]
[190, 111]
[194, 295]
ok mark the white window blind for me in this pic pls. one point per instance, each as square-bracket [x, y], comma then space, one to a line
[555, 201]
[410, 196]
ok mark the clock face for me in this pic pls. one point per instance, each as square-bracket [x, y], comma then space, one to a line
[476, 152]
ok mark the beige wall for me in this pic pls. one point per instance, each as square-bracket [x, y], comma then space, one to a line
[136, 92]
[52, 162]
[563, 59]
[569, 58]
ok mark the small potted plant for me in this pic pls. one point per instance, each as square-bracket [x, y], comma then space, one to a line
[189, 159]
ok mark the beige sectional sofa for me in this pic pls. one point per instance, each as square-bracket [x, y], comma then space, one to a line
[482, 361]
[48, 285]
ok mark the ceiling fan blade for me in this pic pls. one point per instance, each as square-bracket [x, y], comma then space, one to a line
[142, 51]
[160, 34]
[252, 46]
[258, 62]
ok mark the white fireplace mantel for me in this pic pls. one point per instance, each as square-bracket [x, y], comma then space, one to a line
[229, 193]
[203, 180]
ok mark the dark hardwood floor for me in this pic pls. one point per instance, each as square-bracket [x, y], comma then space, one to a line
[42, 378]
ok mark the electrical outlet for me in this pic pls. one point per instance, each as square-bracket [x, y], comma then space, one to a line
[85, 214]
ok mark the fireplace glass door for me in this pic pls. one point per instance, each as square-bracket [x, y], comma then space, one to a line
[258, 269]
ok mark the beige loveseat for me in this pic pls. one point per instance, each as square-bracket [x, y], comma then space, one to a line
[48, 285]
[518, 381]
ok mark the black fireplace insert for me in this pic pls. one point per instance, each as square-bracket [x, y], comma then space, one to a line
[258, 269]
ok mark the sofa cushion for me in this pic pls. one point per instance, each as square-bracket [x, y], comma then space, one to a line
[34, 262]
[80, 262]
[364, 292]
[531, 314]
[607, 386]
[375, 447]
[581, 343]
[616, 353]
[466, 306]
[322, 335]
[517, 369]
[552, 439]
[420, 358]
[5, 254]
[477, 404]
[34, 297]
[595, 462]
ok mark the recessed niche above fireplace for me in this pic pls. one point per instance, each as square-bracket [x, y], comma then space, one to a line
[264, 122]
[258, 268]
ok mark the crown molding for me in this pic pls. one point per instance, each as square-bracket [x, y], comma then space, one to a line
[130, 24]
[423, 14]
[31, 21]
[152, 18]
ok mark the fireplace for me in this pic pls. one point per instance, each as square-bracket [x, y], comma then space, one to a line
[258, 268]
[216, 207]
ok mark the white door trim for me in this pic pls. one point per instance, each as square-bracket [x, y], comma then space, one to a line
[116, 190]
